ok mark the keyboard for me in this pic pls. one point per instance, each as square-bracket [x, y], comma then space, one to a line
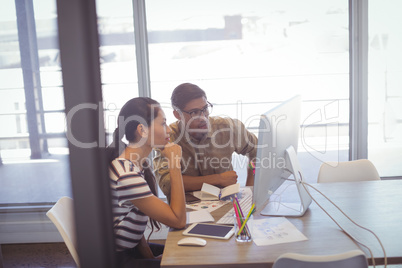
[245, 202]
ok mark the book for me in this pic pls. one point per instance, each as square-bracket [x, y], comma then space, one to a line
[211, 192]
[199, 216]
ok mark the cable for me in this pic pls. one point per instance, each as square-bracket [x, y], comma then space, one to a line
[277, 198]
[371, 254]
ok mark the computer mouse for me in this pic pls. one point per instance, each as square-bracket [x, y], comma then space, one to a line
[192, 241]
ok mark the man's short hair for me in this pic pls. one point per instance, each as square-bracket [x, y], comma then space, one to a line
[184, 93]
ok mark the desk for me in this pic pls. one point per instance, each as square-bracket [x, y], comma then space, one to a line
[376, 205]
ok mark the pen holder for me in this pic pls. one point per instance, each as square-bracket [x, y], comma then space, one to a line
[243, 234]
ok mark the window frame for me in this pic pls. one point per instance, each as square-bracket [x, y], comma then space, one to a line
[358, 79]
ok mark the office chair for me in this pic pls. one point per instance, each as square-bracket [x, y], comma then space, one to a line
[356, 170]
[349, 259]
[62, 215]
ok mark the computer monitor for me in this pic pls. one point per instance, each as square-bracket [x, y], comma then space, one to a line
[277, 160]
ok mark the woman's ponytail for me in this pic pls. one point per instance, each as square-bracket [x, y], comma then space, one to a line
[116, 147]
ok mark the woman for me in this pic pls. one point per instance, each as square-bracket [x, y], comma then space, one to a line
[143, 123]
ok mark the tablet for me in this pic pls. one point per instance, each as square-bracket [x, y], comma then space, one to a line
[210, 230]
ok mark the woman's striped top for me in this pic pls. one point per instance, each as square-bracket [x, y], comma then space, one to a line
[127, 183]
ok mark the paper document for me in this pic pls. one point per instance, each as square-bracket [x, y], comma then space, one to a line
[207, 205]
[199, 216]
[275, 230]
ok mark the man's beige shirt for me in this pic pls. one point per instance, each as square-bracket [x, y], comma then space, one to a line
[211, 155]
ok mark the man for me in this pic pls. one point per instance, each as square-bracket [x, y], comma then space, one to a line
[207, 143]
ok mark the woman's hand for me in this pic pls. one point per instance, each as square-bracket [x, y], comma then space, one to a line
[173, 153]
[158, 257]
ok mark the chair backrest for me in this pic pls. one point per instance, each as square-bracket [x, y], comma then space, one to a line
[349, 259]
[62, 215]
[356, 170]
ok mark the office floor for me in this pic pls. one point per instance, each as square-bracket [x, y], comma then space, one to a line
[46, 255]
[49, 255]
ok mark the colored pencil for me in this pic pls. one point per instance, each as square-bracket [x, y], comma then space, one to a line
[248, 217]
[240, 216]
[236, 212]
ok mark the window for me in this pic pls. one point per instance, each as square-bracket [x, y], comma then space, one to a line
[117, 52]
[385, 87]
[33, 147]
[251, 55]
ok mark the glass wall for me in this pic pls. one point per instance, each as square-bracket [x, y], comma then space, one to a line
[385, 87]
[33, 146]
[251, 55]
[34, 155]
[117, 52]
[248, 56]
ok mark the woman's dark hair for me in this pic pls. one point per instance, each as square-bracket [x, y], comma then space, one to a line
[184, 93]
[136, 111]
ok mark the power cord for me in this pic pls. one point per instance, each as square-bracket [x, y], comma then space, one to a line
[358, 225]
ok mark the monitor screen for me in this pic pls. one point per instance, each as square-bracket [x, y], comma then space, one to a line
[278, 133]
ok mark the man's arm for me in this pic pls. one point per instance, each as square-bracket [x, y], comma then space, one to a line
[250, 177]
[224, 179]
[247, 142]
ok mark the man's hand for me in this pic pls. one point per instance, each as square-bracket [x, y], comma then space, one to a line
[228, 178]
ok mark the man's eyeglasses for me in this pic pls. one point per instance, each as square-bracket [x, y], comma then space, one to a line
[197, 112]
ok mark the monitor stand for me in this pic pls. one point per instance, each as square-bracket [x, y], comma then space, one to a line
[291, 209]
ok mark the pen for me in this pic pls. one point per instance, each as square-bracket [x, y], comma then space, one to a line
[239, 215]
[240, 211]
[252, 167]
[248, 216]
[242, 219]
[236, 212]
